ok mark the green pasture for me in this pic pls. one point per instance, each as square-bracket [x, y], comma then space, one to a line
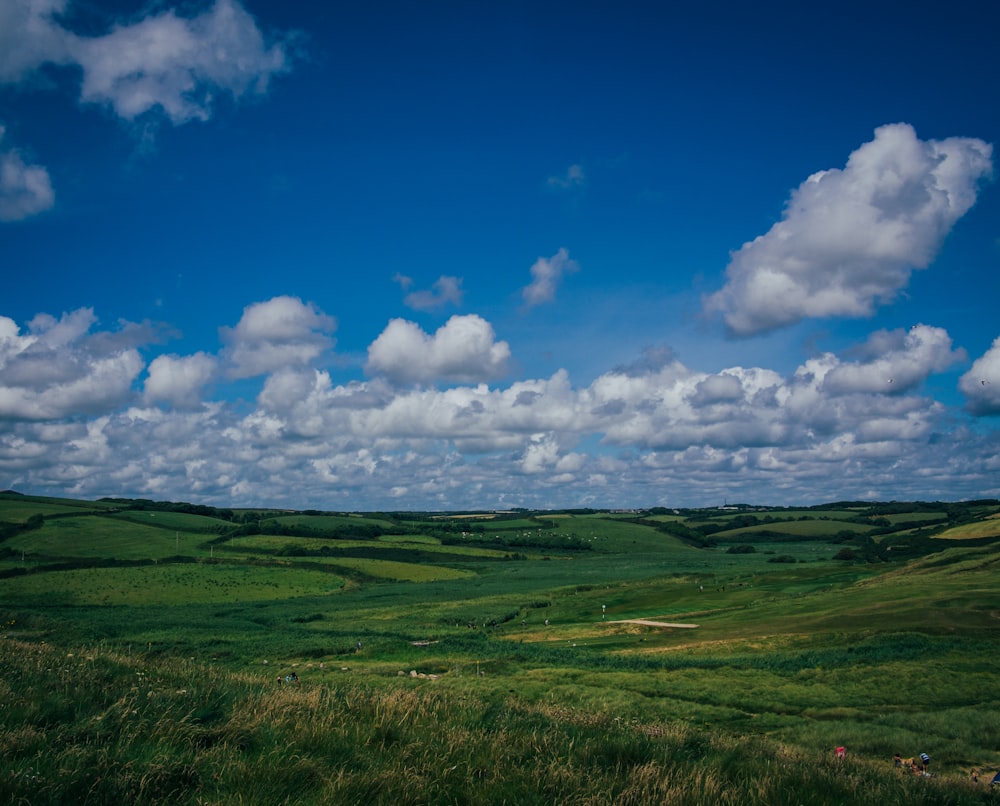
[271, 544]
[791, 646]
[783, 515]
[614, 535]
[424, 540]
[401, 571]
[522, 524]
[182, 521]
[329, 522]
[909, 517]
[101, 536]
[816, 514]
[9, 498]
[666, 518]
[168, 584]
[811, 528]
[16, 510]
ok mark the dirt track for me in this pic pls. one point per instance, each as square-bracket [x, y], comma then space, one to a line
[649, 623]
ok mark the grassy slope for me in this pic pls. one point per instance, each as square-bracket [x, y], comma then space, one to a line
[788, 661]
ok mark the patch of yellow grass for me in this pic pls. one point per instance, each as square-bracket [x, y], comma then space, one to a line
[985, 528]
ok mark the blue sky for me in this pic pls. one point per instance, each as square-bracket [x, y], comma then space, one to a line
[463, 255]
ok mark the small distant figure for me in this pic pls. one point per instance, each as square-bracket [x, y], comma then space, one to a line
[975, 776]
[925, 762]
[546, 622]
[897, 760]
[280, 680]
[359, 646]
[841, 752]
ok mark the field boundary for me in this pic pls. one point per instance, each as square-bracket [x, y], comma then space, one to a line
[649, 623]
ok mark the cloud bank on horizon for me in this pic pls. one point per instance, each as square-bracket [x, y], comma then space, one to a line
[294, 402]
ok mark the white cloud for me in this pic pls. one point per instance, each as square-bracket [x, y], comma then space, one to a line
[850, 238]
[275, 334]
[25, 190]
[717, 389]
[59, 370]
[165, 62]
[463, 350]
[446, 290]
[546, 274]
[895, 361]
[29, 37]
[656, 431]
[179, 380]
[981, 384]
[178, 65]
[540, 454]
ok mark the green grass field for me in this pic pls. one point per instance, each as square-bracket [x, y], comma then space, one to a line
[170, 585]
[95, 537]
[808, 528]
[532, 663]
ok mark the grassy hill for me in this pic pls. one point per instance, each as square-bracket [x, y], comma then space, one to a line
[519, 658]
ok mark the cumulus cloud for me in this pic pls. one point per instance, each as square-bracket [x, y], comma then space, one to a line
[716, 389]
[674, 407]
[653, 431]
[59, 369]
[25, 190]
[541, 452]
[446, 290]
[895, 361]
[178, 65]
[547, 274]
[981, 384]
[278, 333]
[179, 380]
[849, 238]
[463, 350]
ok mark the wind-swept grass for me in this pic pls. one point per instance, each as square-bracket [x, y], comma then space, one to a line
[102, 728]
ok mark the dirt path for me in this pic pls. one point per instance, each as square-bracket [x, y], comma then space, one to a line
[649, 623]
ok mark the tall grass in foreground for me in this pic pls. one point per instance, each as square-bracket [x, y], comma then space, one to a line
[82, 727]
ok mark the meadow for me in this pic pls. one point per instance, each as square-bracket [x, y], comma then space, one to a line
[497, 657]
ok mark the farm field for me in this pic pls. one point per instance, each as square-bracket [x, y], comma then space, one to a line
[492, 659]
